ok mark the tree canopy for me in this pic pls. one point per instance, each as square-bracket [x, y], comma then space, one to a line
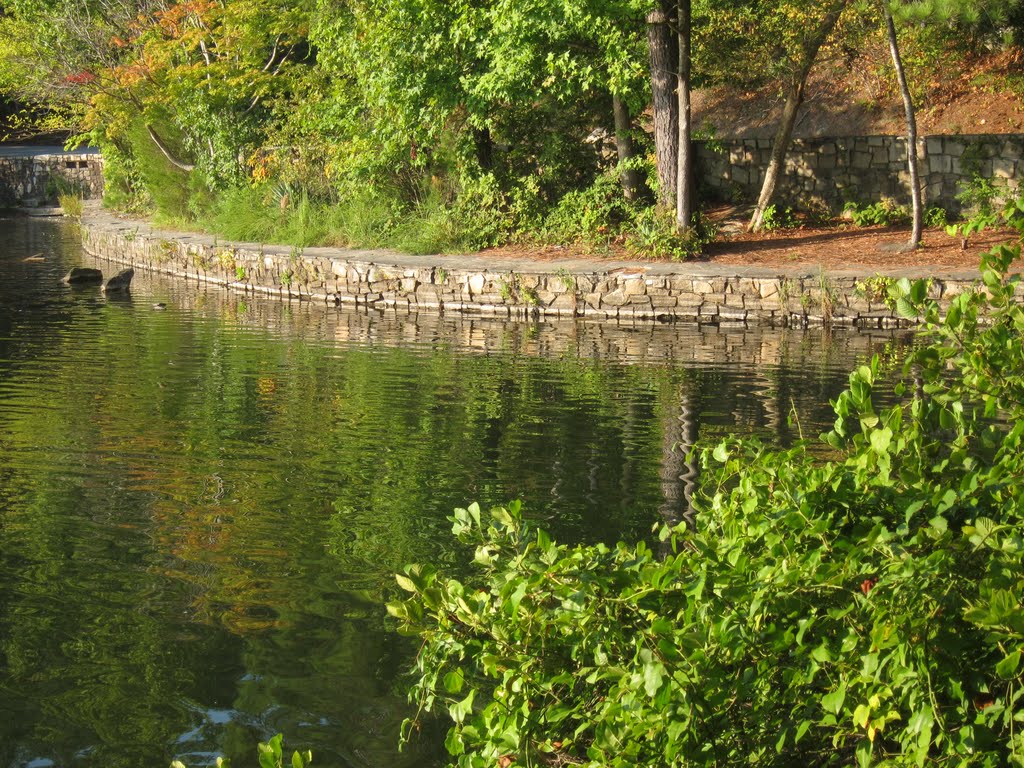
[470, 122]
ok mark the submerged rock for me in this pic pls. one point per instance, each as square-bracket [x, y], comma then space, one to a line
[83, 276]
[120, 282]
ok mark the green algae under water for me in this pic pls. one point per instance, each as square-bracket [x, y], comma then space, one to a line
[201, 506]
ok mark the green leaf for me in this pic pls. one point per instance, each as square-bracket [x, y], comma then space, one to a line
[654, 674]
[881, 439]
[721, 453]
[802, 728]
[406, 583]
[833, 702]
[460, 709]
[1007, 668]
[905, 309]
[270, 754]
[454, 680]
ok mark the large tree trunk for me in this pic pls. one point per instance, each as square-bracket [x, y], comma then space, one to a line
[626, 149]
[794, 98]
[908, 108]
[663, 46]
[684, 178]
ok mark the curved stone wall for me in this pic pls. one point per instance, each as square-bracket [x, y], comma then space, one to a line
[519, 288]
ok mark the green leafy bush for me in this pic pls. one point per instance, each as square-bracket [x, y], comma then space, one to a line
[591, 216]
[883, 213]
[863, 610]
[935, 217]
[652, 234]
[779, 217]
[979, 192]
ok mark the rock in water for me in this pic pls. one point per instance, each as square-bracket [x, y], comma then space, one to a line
[120, 282]
[83, 276]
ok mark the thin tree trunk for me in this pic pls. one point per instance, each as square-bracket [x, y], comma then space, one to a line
[166, 151]
[908, 108]
[626, 149]
[684, 179]
[794, 98]
[663, 46]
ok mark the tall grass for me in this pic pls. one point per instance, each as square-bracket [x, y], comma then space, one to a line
[362, 220]
[72, 204]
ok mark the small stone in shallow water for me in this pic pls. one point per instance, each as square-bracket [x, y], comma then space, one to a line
[83, 276]
[159, 305]
[120, 282]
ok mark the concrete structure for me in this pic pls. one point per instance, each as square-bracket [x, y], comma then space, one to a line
[35, 176]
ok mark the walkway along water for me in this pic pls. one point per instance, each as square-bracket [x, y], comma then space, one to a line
[631, 291]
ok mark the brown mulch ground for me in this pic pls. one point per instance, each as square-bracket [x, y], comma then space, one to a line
[875, 248]
[831, 248]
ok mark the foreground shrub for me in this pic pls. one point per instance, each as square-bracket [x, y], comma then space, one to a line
[864, 610]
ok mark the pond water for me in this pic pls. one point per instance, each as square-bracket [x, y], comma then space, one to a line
[202, 505]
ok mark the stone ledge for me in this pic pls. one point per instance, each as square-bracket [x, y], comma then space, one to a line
[645, 292]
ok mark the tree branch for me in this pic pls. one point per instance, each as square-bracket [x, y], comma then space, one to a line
[166, 151]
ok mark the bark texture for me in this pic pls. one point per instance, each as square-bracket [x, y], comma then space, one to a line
[908, 109]
[625, 148]
[663, 46]
[684, 170]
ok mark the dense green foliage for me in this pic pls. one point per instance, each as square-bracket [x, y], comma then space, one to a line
[862, 610]
[423, 124]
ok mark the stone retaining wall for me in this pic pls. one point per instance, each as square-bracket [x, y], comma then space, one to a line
[759, 348]
[388, 281]
[31, 180]
[865, 169]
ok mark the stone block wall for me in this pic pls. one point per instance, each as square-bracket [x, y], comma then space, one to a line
[31, 180]
[864, 169]
[380, 280]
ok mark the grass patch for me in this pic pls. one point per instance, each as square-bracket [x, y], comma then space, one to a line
[71, 204]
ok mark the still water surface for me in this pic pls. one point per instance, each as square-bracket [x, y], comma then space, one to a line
[201, 506]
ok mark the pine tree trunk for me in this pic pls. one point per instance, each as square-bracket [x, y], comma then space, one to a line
[625, 148]
[794, 98]
[908, 108]
[684, 179]
[663, 46]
